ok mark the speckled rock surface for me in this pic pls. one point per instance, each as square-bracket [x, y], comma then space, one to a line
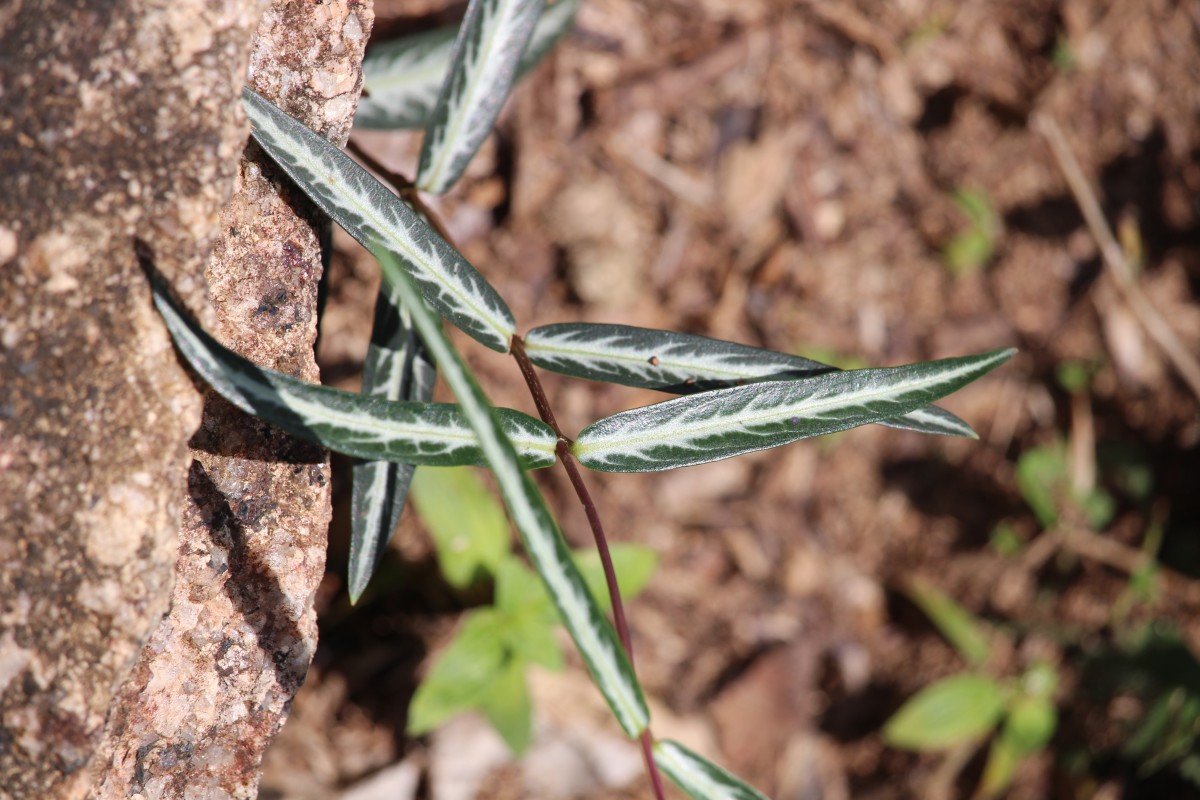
[214, 682]
[115, 123]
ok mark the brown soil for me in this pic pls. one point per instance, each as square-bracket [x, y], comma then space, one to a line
[783, 174]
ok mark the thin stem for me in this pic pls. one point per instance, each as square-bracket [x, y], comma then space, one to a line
[1146, 313]
[401, 183]
[563, 448]
[656, 781]
[610, 572]
[535, 387]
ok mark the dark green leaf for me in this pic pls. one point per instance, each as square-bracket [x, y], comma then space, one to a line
[402, 78]
[377, 218]
[729, 422]
[350, 423]
[683, 363]
[482, 70]
[396, 368]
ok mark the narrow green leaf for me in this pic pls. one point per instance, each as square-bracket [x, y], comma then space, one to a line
[699, 777]
[729, 422]
[489, 46]
[683, 363]
[372, 214]
[964, 632]
[953, 711]
[402, 78]
[396, 368]
[461, 675]
[507, 705]
[593, 635]
[350, 423]
[468, 526]
[558, 17]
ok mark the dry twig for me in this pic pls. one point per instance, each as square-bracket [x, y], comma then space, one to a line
[1147, 315]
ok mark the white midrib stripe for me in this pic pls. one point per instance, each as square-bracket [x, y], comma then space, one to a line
[367, 212]
[703, 370]
[345, 419]
[818, 406]
[696, 778]
[351, 421]
[455, 121]
[616, 356]
[385, 84]
[375, 509]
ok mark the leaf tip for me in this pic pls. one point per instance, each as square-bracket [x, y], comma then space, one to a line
[356, 585]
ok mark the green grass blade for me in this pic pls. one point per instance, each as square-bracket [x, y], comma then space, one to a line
[370, 213]
[729, 422]
[965, 633]
[683, 363]
[699, 777]
[397, 368]
[490, 42]
[402, 78]
[354, 424]
[582, 617]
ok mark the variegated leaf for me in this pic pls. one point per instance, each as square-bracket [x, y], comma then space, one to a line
[728, 422]
[350, 423]
[402, 78]
[489, 46]
[370, 213]
[557, 18]
[397, 367]
[699, 777]
[684, 363]
[580, 614]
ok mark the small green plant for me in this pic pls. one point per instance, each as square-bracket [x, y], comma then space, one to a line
[485, 665]
[965, 709]
[1043, 478]
[972, 249]
[731, 398]
[1157, 669]
[1063, 56]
